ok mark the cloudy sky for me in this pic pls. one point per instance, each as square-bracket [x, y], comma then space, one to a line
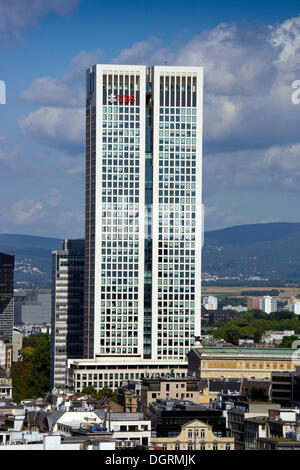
[251, 56]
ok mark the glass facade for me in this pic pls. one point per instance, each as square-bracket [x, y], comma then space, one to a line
[142, 194]
[6, 296]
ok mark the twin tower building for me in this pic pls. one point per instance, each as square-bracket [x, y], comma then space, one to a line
[127, 301]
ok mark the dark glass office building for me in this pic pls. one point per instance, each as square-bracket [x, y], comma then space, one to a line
[67, 308]
[6, 296]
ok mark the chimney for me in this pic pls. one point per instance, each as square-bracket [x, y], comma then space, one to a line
[272, 414]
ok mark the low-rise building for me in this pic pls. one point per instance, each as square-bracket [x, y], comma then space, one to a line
[38, 441]
[180, 388]
[128, 429]
[236, 308]
[277, 444]
[167, 417]
[239, 362]
[6, 352]
[275, 337]
[5, 385]
[243, 411]
[285, 387]
[210, 302]
[128, 400]
[194, 435]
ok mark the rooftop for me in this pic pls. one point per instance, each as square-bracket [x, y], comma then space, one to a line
[244, 351]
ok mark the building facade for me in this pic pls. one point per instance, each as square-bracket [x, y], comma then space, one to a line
[210, 302]
[268, 304]
[195, 435]
[143, 213]
[186, 388]
[6, 296]
[240, 362]
[67, 321]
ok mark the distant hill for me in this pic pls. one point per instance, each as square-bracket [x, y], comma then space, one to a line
[261, 250]
[269, 251]
[32, 256]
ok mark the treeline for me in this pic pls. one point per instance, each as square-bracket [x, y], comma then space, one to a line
[31, 377]
[260, 293]
[254, 325]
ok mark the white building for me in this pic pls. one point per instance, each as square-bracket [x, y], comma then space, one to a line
[210, 302]
[236, 308]
[41, 441]
[295, 307]
[129, 429]
[270, 337]
[143, 217]
[267, 304]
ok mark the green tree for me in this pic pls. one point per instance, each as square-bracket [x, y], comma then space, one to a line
[90, 390]
[232, 335]
[287, 341]
[31, 377]
[20, 374]
[105, 392]
[40, 377]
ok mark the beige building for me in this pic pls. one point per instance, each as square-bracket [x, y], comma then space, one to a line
[194, 435]
[128, 400]
[185, 388]
[239, 362]
[5, 354]
[5, 385]
[17, 344]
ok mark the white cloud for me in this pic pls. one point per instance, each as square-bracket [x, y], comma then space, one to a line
[58, 127]
[16, 15]
[68, 91]
[27, 211]
[251, 127]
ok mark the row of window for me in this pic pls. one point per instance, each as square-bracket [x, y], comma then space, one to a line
[180, 110]
[121, 109]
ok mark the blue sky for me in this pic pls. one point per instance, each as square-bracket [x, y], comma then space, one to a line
[251, 55]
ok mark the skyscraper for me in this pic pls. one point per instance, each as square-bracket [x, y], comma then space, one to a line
[143, 214]
[67, 308]
[6, 296]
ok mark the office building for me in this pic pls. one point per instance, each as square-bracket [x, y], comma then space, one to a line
[6, 296]
[67, 308]
[143, 214]
[285, 387]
